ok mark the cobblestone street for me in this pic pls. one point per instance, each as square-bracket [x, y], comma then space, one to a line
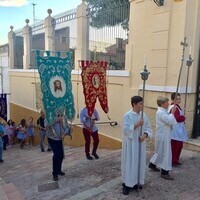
[25, 171]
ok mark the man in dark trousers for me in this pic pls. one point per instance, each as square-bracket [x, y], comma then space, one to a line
[90, 130]
[1, 143]
[40, 123]
[55, 133]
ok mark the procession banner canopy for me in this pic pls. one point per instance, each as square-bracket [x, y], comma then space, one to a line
[3, 106]
[56, 86]
[94, 84]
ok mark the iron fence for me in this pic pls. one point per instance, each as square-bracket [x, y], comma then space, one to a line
[109, 32]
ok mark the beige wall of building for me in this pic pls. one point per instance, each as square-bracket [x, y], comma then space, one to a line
[156, 32]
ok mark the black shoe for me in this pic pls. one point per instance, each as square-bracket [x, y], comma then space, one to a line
[124, 185]
[176, 164]
[95, 155]
[153, 167]
[55, 177]
[167, 177]
[1, 160]
[137, 187]
[42, 150]
[48, 149]
[61, 173]
[125, 190]
[89, 157]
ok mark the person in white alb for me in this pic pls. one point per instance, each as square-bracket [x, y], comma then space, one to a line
[133, 145]
[162, 157]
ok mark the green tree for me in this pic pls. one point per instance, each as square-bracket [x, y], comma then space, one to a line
[109, 12]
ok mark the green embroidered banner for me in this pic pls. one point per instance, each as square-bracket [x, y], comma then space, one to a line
[56, 86]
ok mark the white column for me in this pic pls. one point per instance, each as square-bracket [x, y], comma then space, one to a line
[82, 44]
[49, 26]
[11, 43]
[27, 37]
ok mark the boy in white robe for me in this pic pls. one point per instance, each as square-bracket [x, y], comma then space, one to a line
[134, 146]
[163, 155]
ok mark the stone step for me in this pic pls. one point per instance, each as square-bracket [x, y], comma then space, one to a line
[2, 194]
[2, 182]
[10, 192]
[192, 144]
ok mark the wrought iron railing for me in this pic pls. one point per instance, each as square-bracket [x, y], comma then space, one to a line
[109, 32]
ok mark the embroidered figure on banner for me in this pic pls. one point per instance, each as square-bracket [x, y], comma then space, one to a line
[94, 84]
[56, 86]
[96, 81]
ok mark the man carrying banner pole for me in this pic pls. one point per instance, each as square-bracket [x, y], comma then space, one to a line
[58, 102]
[136, 128]
[55, 134]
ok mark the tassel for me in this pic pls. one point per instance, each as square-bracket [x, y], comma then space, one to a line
[108, 117]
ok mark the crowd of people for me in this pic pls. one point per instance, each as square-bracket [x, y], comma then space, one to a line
[18, 133]
[12, 134]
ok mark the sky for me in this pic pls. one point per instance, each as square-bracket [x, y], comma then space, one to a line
[15, 12]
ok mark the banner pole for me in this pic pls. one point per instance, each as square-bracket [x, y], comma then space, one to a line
[184, 44]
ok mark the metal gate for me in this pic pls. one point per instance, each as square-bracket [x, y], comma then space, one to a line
[109, 33]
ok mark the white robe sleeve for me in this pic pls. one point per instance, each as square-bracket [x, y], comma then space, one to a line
[147, 126]
[128, 127]
[168, 119]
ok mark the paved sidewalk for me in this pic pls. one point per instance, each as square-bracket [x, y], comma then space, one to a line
[29, 170]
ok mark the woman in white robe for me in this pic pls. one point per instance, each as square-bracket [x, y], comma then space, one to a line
[133, 144]
[164, 122]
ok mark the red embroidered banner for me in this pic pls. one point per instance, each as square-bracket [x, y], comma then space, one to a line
[94, 84]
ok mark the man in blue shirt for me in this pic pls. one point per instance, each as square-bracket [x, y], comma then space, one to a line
[90, 130]
[1, 143]
[55, 134]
